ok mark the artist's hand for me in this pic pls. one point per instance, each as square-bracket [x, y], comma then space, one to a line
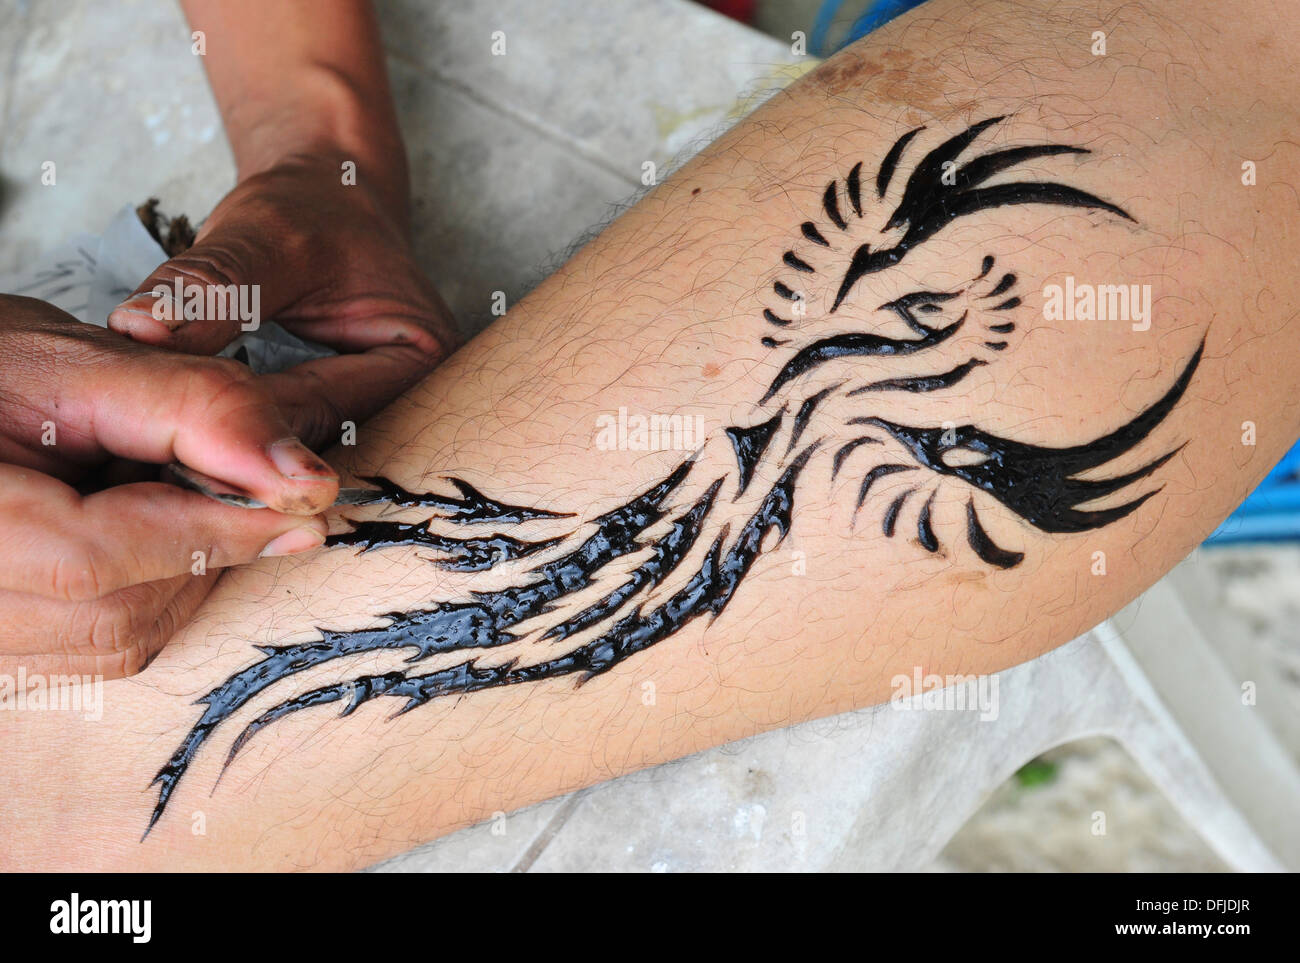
[333, 266]
[97, 583]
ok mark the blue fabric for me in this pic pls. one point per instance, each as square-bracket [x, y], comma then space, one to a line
[1271, 512]
[876, 13]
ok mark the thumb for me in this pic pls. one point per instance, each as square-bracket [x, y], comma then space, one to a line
[201, 300]
[209, 413]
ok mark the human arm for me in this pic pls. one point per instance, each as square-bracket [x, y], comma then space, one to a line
[664, 314]
[94, 579]
[319, 216]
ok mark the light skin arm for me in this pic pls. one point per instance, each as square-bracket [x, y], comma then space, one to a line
[664, 314]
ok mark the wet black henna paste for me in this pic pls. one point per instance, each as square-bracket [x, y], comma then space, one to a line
[880, 471]
[669, 556]
[929, 204]
[848, 448]
[984, 547]
[749, 445]
[924, 528]
[810, 231]
[461, 554]
[919, 383]
[1040, 484]
[471, 507]
[805, 413]
[891, 513]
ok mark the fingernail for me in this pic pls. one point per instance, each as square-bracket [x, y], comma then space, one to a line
[293, 542]
[138, 320]
[160, 306]
[293, 459]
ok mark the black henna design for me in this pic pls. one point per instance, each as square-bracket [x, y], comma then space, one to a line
[887, 166]
[1040, 484]
[1008, 281]
[471, 507]
[918, 383]
[831, 203]
[619, 583]
[880, 471]
[798, 263]
[810, 231]
[891, 513]
[749, 445]
[929, 204]
[460, 554]
[924, 528]
[853, 184]
[805, 413]
[847, 449]
[983, 545]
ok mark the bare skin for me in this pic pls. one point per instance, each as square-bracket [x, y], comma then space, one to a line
[664, 313]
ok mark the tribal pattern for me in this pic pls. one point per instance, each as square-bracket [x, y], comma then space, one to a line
[685, 560]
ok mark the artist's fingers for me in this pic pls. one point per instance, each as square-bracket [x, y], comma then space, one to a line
[115, 625]
[92, 392]
[249, 263]
[112, 637]
[209, 413]
[61, 545]
[415, 318]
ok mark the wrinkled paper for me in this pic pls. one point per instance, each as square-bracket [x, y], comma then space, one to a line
[88, 276]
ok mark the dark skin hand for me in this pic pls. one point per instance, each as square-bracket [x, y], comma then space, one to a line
[94, 578]
[319, 216]
[333, 267]
[97, 583]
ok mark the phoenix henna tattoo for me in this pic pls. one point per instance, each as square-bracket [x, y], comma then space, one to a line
[679, 560]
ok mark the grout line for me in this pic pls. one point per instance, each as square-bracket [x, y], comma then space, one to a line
[11, 68]
[553, 134]
[549, 832]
